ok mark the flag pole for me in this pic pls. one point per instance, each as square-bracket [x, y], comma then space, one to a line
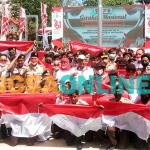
[100, 23]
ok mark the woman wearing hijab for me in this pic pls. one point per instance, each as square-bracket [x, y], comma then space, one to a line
[65, 69]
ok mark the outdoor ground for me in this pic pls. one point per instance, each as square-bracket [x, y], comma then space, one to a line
[53, 144]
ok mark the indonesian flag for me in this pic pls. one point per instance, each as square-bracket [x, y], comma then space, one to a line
[44, 24]
[5, 23]
[78, 46]
[22, 22]
[21, 47]
[30, 117]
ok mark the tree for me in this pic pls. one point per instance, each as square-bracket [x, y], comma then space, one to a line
[144, 1]
[33, 7]
[108, 2]
[90, 3]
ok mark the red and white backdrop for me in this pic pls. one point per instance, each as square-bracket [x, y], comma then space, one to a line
[57, 26]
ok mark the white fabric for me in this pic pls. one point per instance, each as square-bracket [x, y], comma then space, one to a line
[28, 125]
[129, 121]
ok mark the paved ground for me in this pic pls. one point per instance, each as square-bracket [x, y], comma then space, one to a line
[53, 144]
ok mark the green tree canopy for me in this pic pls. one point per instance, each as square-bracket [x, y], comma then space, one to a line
[33, 7]
[107, 2]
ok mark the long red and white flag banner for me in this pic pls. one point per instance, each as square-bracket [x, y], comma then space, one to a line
[22, 22]
[5, 22]
[76, 46]
[27, 118]
[44, 24]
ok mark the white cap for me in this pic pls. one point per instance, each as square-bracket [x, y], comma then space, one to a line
[81, 57]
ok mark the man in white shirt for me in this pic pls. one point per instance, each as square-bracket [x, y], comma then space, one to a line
[82, 69]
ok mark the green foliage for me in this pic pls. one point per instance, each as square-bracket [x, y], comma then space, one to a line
[108, 2]
[117, 2]
[33, 7]
[90, 3]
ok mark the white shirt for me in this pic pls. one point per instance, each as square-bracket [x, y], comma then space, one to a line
[137, 65]
[86, 72]
[60, 73]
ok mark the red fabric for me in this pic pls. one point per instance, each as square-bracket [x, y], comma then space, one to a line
[4, 45]
[46, 65]
[91, 49]
[67, 65]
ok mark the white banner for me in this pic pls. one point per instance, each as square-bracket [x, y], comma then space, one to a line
[57, 23]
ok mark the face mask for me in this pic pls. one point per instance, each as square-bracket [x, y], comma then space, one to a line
[145, 63]
[147, 70]
[56, 62]
[99, 72]
[64, 67]
[33, 62]
[2, 64]
[138, 59]
[112, 56]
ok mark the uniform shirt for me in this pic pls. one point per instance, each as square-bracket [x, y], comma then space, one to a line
[17, 70]
[37, 70]
[5, 72]
[111, 66]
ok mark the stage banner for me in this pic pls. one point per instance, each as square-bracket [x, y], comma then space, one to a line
[57, 25]
[122, 25]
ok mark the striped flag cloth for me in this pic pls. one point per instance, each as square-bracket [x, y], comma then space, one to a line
[44, 24]
[5, 23]
[22, 22]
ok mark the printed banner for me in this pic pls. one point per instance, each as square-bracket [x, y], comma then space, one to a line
[122, 25]
[57, 23]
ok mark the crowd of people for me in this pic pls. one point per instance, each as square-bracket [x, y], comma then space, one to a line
[32, 75]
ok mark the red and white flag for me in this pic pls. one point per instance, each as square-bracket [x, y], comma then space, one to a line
[44, 24]
[76, 46]
[27, 118]
[22, 22]
[5, 22]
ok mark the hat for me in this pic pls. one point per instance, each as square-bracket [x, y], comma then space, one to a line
[112, 72]
[128, 54]
[51, 54]
[130, 66]
[122, 62]
[21, 56]
[93, 56]
[104, 54]
[46, 72]
[81, 57]
[34, 54]
[99, 64]
[11, 48]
